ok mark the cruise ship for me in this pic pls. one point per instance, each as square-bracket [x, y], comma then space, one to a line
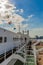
[19, 49]
[11, 43]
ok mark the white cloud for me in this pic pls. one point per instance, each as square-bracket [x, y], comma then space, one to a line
[30, 16]
[17, 11]
[21, 10]
[22, 27]
[7, 10]
[36, 31]
[19, 19]
[25, 25]
[16, 19]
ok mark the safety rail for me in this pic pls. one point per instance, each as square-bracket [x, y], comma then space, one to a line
[12, 54]
[8, 54]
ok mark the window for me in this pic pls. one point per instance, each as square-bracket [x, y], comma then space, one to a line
[15, 39]
[5, 39]
[0, 39]
[25, 39]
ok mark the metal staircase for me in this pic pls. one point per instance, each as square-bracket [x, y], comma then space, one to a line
[30, 60]
[29, 55]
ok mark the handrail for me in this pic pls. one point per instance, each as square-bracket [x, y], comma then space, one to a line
[5, 62]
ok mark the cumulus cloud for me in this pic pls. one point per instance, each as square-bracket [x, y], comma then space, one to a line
[22, 27]
[18, 18]
[21, 10]
[25, 25]
[9, 10]
[29, 17]
[9, 14]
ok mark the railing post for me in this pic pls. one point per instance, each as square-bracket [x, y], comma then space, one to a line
[12, 50]
[5, 55]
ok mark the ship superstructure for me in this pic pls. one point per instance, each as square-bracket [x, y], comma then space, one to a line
[10, 42]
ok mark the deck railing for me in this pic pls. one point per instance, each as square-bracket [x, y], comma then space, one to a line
[8, 53]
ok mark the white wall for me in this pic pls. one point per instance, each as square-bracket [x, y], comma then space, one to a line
[10, 43]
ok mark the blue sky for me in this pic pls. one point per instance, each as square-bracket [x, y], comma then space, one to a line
[31, 7]
[32, 13]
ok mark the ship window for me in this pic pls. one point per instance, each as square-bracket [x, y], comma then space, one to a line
[0, 39]
[5, 39]
[25, 39]
[15, 39]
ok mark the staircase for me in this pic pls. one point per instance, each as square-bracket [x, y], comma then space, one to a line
[29, 55]
[30, 60]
